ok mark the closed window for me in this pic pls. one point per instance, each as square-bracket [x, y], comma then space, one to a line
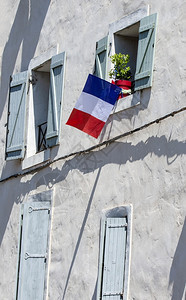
[33, 247]
[113, 278]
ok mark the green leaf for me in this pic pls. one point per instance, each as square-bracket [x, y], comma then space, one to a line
[120, 70]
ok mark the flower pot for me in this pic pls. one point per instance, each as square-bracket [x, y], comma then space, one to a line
[125, 85]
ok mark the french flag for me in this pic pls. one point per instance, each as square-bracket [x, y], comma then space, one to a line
[94, 105]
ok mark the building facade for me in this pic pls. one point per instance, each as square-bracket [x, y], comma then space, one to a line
[85, 218]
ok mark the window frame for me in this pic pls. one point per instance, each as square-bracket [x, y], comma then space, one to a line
[107, 44]
[34, 157]
[34, 64]
[54, 64]
[117, 212]
[42, 198]
[122, 24]
[129, 20]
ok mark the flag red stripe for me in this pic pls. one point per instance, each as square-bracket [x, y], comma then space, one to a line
[85, 122]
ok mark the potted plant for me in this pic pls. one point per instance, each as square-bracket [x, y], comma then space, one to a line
[121, 73]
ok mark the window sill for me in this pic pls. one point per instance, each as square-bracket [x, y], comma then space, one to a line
[36, 159]
[127, 102]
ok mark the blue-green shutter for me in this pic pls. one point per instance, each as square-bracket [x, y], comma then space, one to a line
[33, 251]
[102, 50]
[145, 55]
[17, 116]
[55, 98]
[114, 259]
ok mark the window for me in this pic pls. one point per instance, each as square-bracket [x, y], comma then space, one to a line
[113, 278]
[133, 35]
[33, 247]
[40, 79]
[138, 40]
[40, 127]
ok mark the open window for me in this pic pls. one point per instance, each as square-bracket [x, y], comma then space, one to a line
[138, 40]
[134, 35]
[47, 82]
[35, 126]
[40, 79]
[126, 42]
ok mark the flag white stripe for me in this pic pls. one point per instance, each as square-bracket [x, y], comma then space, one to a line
[94, 106]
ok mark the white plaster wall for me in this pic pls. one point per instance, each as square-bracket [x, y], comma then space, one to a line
[145, 169]
[75, 27]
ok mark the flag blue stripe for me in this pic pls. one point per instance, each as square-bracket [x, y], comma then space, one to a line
[102, 89]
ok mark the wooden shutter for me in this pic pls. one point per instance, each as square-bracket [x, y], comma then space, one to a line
[55, 98]
[102, 50]
[33, 250]
[16, 116]
[145, 55]
[114, 259]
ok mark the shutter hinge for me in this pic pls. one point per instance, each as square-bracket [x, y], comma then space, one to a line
[32, 79]
[110, 47]
[21, 219]
[28, 255]
[118, 226]
[114, 294]
[24, 154]
[31, 209]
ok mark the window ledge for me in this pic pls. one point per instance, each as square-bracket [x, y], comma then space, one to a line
[127, 102]
[36, 159]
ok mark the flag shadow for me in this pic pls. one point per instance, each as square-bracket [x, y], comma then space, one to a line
[81, 233]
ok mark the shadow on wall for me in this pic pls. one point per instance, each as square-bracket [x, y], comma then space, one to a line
[81, 233]
[178, 269]
[24, 33]
[117, 153]
[128, 114]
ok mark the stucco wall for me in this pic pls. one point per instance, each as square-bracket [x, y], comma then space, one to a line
[31, 29]
[145, 169]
